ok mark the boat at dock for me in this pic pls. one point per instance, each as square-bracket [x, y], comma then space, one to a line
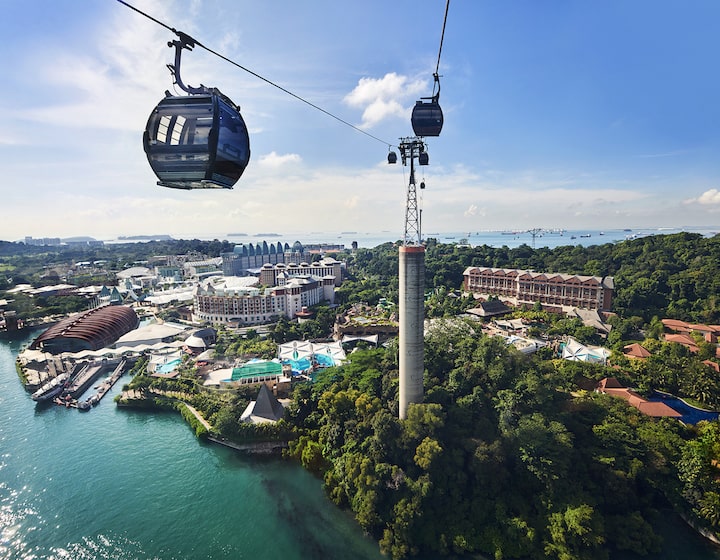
[85, 378]
[84, 405]
[105, 386]
[51, 389]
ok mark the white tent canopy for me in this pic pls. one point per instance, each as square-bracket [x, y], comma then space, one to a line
[577, 352]
[299, 349]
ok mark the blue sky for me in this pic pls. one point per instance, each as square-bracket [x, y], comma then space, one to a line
[558, 114]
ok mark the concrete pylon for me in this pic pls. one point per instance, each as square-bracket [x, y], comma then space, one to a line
[412, 316]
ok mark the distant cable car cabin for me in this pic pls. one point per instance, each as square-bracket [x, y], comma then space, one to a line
[427, 116]
[196, 141]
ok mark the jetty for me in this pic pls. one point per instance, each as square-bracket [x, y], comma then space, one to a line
[87, 375]
[105, 386]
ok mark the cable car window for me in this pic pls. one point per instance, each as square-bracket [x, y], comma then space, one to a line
[182, 125]
[163, 126]
[166, 124]
[177, 130]
[202, 130]
[233, 150]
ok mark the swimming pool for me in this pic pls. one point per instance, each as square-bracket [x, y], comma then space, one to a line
[168, 367]
[324, 360]
[299, 366]
[690, 414]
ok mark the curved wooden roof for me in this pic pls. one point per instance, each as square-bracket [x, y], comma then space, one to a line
[98, 327]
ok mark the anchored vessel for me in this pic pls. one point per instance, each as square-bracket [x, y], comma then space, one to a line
[51, 388]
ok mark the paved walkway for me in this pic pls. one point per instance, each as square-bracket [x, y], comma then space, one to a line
[199, 417]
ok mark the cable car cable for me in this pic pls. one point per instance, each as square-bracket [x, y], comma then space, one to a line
[442, 35]
[191, 40]
[427, 116]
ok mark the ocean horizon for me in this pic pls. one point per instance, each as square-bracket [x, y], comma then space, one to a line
[512, 238]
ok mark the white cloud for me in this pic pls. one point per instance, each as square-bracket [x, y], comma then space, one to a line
[275, 160]
[471, 211]
[710, 197]
[383, 98]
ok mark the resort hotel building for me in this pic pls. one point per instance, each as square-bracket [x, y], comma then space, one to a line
[556, 292]
[230, 300]
[280, 273]
[270, 261]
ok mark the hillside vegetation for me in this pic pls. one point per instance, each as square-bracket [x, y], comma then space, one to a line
[512, 456]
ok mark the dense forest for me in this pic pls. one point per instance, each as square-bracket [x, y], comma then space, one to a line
[511, 456]
[664, 275]
[505, 456]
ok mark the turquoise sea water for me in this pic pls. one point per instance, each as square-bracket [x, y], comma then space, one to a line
[121, 484]
[117, 483]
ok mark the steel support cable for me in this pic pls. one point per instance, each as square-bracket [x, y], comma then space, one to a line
[442, 36]
[184, 36]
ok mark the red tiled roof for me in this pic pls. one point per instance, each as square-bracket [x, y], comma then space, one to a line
[683, 339]
[649, 408]
[623, 393]
[683, 326]
[657, 409]
[636, 351]
[712, 364]
[705, 328]
[610, 383]
[674, 324]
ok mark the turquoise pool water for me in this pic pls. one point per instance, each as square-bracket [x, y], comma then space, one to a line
[169, 367]
[324, 360]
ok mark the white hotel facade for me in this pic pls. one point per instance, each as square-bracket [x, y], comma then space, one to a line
[223, 302]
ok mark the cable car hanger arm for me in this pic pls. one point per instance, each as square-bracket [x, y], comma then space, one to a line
[185, 42]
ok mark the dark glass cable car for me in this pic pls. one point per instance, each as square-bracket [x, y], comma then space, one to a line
[427, 116]
[196, 141]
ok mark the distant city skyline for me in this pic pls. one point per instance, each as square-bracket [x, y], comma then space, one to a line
[572, 115]
[511, 238]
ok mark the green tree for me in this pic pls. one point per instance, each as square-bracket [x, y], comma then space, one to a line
[575, 533]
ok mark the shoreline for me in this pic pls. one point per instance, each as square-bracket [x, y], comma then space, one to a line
[253, 448]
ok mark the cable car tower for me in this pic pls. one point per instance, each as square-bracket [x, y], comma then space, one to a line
[427, 120]
[412, 282]
[412, 149]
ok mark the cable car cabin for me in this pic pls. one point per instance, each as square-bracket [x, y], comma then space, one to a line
[427, 118]
[197, 141]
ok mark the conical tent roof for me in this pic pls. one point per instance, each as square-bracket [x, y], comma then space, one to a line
[267, 406]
